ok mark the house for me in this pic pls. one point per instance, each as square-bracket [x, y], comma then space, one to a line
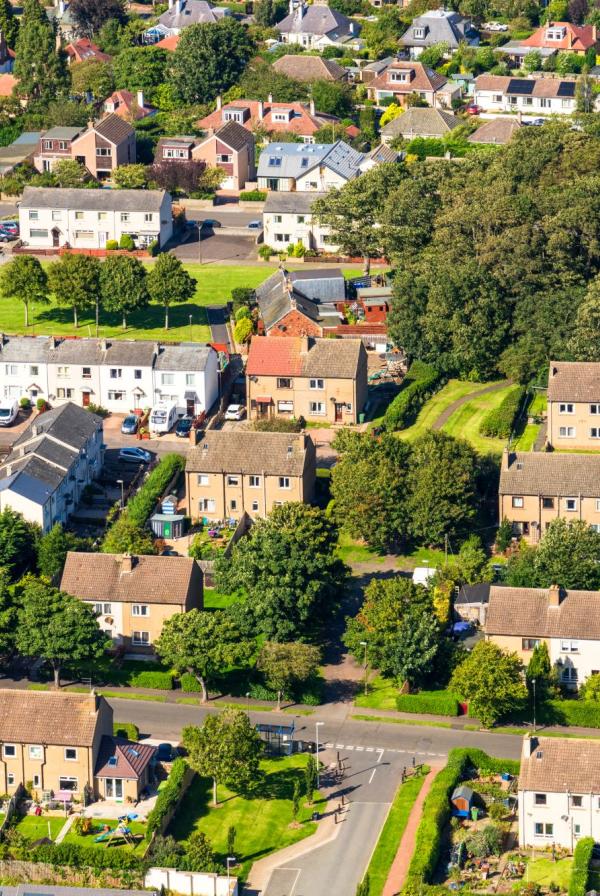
[230, 148]
[497, 131]
[83, 50]
[133, 596]
[62, 19]
[574, 405]
[553, 38]
[181, 14]
[231, 473]
[439, 26]
[462, 801]
[310, 68]
[291, 305]
[55, 145]
[308, 167]
[416, 122]
[500, 93]
[186, 375]
[318, 379]
[269, 118]
[63, 743]
[88, 219]
[568, 622]
[318, 26]
[128, 105]
[99, 147]
[50, 464]
[175, 148]
[559, 787]
[288, 218]
[20, 151]
[399, 80]
[471, 602]
[537, 487]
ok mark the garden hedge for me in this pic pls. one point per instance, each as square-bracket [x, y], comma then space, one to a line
[499, 422]
[580, 873]
[253, 196]
[189, 683]
[76, 856]
[584, 713]
[420, 383]
[442, 704]
[168, 797]
[127, 730]
[162, 681]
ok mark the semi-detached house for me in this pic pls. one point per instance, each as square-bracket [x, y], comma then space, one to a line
[574, 405]
[500, 93]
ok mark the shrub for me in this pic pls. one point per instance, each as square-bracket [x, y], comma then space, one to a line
[259, 692]
[498, 423]
[243, 295]
[243, 330]
[439, 704]
[277, 424]
[98, 410]
[578, 884]
[253, 196]
[242, 313]
[265, 252]
[168, 797]
[41, 404]
[127, 730]
[126, 242]
[583, 713]
[161, 681]
[25, 403]
[420, 383]
[189, 683]
[111, 245]
[71, 854]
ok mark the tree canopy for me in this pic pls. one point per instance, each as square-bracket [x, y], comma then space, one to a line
[123, 285]
[75, 282]
[492, 682]
[169, 283]
[568, 555]
[25, 279]
[209, 59]
[40, 69]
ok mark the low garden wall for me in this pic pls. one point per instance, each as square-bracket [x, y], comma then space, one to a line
[190, 883]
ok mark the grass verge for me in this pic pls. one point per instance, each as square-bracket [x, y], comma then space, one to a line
[350, 550]
[391, 721]
[381, 694]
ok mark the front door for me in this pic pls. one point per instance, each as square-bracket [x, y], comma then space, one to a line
[55, 237]
[190, 407]
[167, 530]
[85, 399]
[102, 237]
[113, 789]
[338, 412]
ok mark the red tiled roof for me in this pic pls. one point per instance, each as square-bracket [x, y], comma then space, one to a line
[118, 758]
[423, 78]
[125, 101]
[279, 357]
[302, 122]
[578, 38]
[84, 49]
[168, 43]
[7, 83]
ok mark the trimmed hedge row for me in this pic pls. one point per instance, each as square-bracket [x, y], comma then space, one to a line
[420, 383]
[168, 797]
[580, 873]
[162, 681]
[127, 730]
[498, 423]
[436, 810]
[584, 713]
[76, 856]
[253, 196]
[189, 683]
[442, 704]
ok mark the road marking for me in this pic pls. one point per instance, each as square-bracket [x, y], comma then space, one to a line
[359, 749]
[348, 747]
[339, 746]
[329, 746]
[372, 774]
[370, 749]
[380, 757]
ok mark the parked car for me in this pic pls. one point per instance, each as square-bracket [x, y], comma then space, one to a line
[9, 411]
[6, 237]
[494, 26]
[254, 225]
[135, 456]
[10, 226]
[184, 427]
[473, 109]
[164, 753]
[210, 222]
[235, 412]
[130, 424]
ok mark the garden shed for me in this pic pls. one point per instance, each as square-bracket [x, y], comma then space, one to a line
[462, 801]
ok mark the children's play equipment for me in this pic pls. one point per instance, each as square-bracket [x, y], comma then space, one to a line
[122, 831]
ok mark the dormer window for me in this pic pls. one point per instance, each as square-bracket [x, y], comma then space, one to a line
[556, 33]
[274, 161]
[419, 32]
[402, 77]
[284, 115]
[234, 115]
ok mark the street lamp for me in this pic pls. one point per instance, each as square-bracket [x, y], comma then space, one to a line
[317, 726]
[364, 644]
[120, 482]
[191, 331]
[533, 683]
[231, 860]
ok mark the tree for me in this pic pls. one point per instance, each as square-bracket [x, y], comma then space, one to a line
[56, 627]
[200, 856]
[381, 36]
[39, 68]
[190, 176]
[332, 98]
[390, 113]
[227, 748]
[203, 644]
[260, 80]
[267, 12]
[9, 24]
[169, 283]
[231, 835]
[123, 285]
[539, 669]
[288, 573]
[492, 681]
[296, 799]
[141, 68]
[310, 778]
[8, 616]
[243, 330]
[126, 537]
[75, 281]
[209, 59]
[411, 657]
[91, 15]
[24, 279]
[285, 666]
[53, 548]
[71, 173]
[568, 555]
[504, 535]
[533, 61]
[130, 177]
[18, 540]
[471, 564]
[94, 77]
[585, 341]
[590, 689]
[520, 569]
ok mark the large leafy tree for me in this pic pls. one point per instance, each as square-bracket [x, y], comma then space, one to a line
[492, 681]
[94, 77]
[25, 280]
[75, 282]
[53, 548]
[8, 616]
[91, 15]
[585, 341]
[123, 285]
[411, 657]
[286, 666]
[188, 175]
[203, 644]
[332, 97]
[127, 537]
[227, 749]
[288, 572]
[169, 283]
[569, 555]
[209, 59]
[56, 627]
[9, 24]
[18, 541]
[40, 68]
[141, 68]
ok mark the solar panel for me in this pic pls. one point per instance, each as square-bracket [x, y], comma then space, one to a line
[566, 88]
[520, 86]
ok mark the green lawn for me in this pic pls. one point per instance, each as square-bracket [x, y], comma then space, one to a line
[431, 410]
[138, 829]
[351, 550]
[539, 404]
[34, 827]
[214, 600]
[391, 835]
[421, 557]
[381, 694]
[262, 822]
[526, 439]
[545, 872]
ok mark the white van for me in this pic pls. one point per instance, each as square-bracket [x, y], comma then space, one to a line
[9, 409]
[162, 418]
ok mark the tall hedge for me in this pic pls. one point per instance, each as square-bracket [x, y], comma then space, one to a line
[420, 383]
[580, 873]
[168, 797]
[499, 422]
[442, 704]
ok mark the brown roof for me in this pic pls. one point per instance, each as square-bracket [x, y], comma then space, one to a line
[336, 358]
[235, 135]
[541, 87]
[423, 78]
[152, 580]
[309, 68]
[302, 122]
[565, 764]
[48, 717]
[528, 613]
[244, 451]
[539, 473]
[574, 381]
[131, 758]
[498, 130]
[114, 128]
[492, 82]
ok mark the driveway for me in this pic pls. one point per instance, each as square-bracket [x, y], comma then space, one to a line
[216, 245]
[217, 317]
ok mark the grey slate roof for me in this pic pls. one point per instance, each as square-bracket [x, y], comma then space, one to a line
[303, 290]
[322, 284]
[550, 474]
[193, 12]
[473, 594]
[186, 356]
[290, 202]
[60, 133]
[574, 381]
[338, 157]
[417, 122]
[561, 765]
[318, 19]
[68, 423]
[442, 26]
[24, 349]
[93, 200]
[527, 613]
[244, 451]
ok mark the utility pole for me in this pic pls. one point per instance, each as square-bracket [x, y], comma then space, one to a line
[446, 548]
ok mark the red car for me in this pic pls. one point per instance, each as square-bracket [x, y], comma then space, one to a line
[473, 109]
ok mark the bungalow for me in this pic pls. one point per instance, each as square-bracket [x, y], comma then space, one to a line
[416, 122]
[496, 132]
[318, 26]
[83, 50]
[181, 14]
[501, 93]
[310, 68]
[439, 26]
[553, 38]
[399, 80]
[128, 105]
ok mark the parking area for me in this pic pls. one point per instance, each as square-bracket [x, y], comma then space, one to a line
[217, 245]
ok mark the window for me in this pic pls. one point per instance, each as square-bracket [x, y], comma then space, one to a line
[577, 802]
[137, 374]
[548, 503]
[36, 234]
[116, 395]
[79, 216]
[277, 219]
[167, 379]
[116, 373]
[190, 379]
[102, 216]
[141, 639]
[202, 479]
[65, 783]
[317, 384]
[539, 799]
[207, 504]
[566, 409]
[529, 643]
[11, 369]
[544, 830]
[282, 238]
[419, 33]
[569, 674]
[518, 502]
[569, 646]
[254, 481]
[48, 144]
[86, 373]
[571, 504]
[64, 393]
[9, 751]
[280, 116]
[233, 504]
[224, 158]
[36, 752]
[124, 217]
[317, 408]
[285, 407]
[34, 214]
[140, 610]
[595, 409]
[102, 151]
[255, 506]
[57, 216]
[71, 754]
[10, 778]
[300, 219]
[102, 608]
[284, 382]
[567, 432]
[545, 103]
[399, 77]
[497, 98]
[174, 154]
[527, 101]
[233, 480]
[84, 234]
[594, 432]
[284, 482]
[37, 781]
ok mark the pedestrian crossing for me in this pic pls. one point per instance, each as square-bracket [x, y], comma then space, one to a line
[362, 749]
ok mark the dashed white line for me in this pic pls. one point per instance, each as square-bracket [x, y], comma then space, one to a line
[348, 747]
[339, 746]
[370, 749]
[360, 749]
[372, 775]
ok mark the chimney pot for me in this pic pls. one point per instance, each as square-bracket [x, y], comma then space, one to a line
[219, 103]
[312, 107]
[261, 110]
[270, 98]
[103, 345]
[140, 99]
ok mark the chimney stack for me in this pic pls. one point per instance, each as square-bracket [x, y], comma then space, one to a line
[61, 8]
[103, 345]
[270, 97]
[261, 110]
[530, 744]
[126, 563]
[554, 596]
[304, 344]
[312, 107]
[219, 103]
[140, 99]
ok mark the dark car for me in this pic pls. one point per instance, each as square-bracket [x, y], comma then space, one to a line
[184, 427]
[135, 456]
[164, 753]
[210, 222]
[130, 424]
